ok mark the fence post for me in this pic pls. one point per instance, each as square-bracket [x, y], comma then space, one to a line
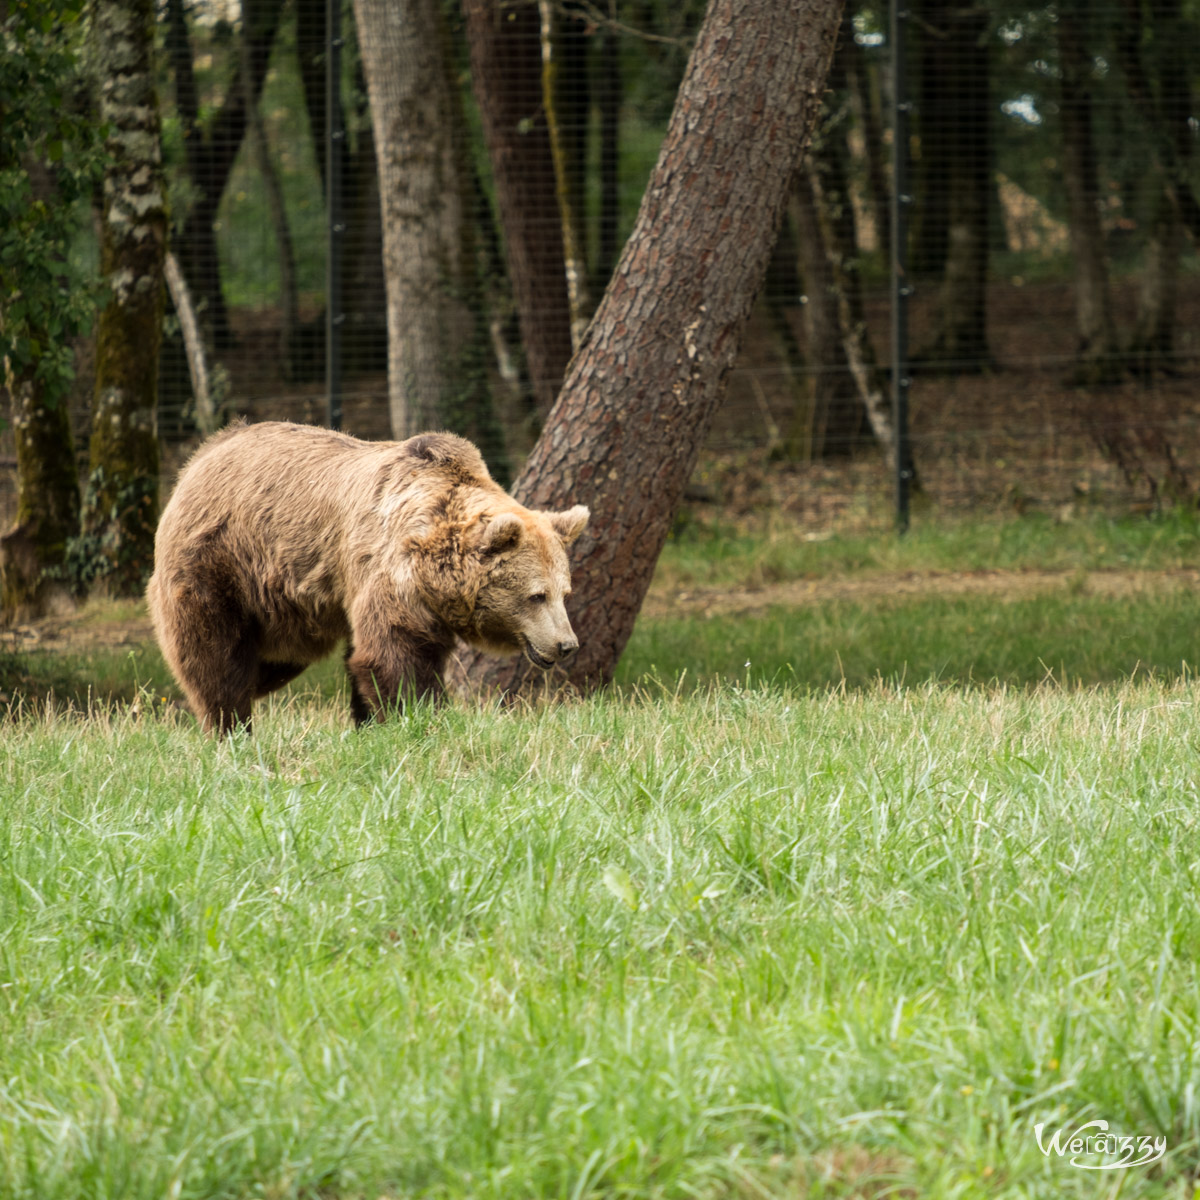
[900, 287]
[336, 136]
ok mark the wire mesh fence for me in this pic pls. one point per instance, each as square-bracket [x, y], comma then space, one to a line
[1052, 210]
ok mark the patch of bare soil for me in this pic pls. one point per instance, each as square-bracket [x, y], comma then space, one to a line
[90, 628]
[103, 627]
[997, 585]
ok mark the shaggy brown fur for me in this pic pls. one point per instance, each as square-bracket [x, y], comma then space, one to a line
[281, 540]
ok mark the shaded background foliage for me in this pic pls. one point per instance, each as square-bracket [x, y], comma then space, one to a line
[1054, 205]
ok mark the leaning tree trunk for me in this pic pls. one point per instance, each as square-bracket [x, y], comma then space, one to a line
[641, 393]
[436, 336]
[506, 70]
[1096, 359]
[121, 505]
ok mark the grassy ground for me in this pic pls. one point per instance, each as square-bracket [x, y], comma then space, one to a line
[805, 932]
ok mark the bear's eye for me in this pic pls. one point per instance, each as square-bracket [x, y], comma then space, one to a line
[538, 598]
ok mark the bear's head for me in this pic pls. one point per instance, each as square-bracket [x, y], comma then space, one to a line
[522, 578]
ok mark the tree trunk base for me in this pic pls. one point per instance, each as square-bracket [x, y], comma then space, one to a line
[25, 592]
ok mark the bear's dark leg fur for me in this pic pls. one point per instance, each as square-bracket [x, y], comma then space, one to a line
[273, 675]
[211, 647]
[389, 674]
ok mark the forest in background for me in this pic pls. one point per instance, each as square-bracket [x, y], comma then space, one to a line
[1051, 243]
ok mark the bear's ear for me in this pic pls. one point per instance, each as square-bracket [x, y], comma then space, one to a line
[501, 533]
[570, 524]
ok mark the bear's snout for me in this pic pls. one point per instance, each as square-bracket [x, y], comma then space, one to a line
[566, 649]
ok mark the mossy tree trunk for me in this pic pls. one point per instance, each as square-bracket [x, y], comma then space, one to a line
[642, 390]
[437, 335]
[121, 503]
[34, 550]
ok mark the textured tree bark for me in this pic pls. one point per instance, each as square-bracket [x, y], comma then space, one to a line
[47, 504]
[436, 334]
[1096, 358]
[121, 505]
[640, 394]
[506, 70]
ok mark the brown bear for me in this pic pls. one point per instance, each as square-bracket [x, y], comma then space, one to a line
[280, 540]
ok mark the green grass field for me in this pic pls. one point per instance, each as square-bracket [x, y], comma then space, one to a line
[799, 929]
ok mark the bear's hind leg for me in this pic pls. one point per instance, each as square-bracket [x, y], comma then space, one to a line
[212, 651]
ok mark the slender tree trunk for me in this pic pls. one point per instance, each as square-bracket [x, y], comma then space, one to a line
[121, 506]
[1153, 49]
[608, 101]
[935, 118]
[364, 292]
[834, 417]
[436, 334]
[1153, 347]
[866, 96]
[640, 394]
[34, 550]
[212, 148]
[782, 291]
[506, 70]
[289, 298]
[961, 339]
[1096, 359]
[558, 103]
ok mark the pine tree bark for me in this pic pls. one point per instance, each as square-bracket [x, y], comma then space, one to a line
[1096, 357]
[641, 393]
[121, 505]
[506, 71]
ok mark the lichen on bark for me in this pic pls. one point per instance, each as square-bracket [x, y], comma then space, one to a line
[121, 504]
